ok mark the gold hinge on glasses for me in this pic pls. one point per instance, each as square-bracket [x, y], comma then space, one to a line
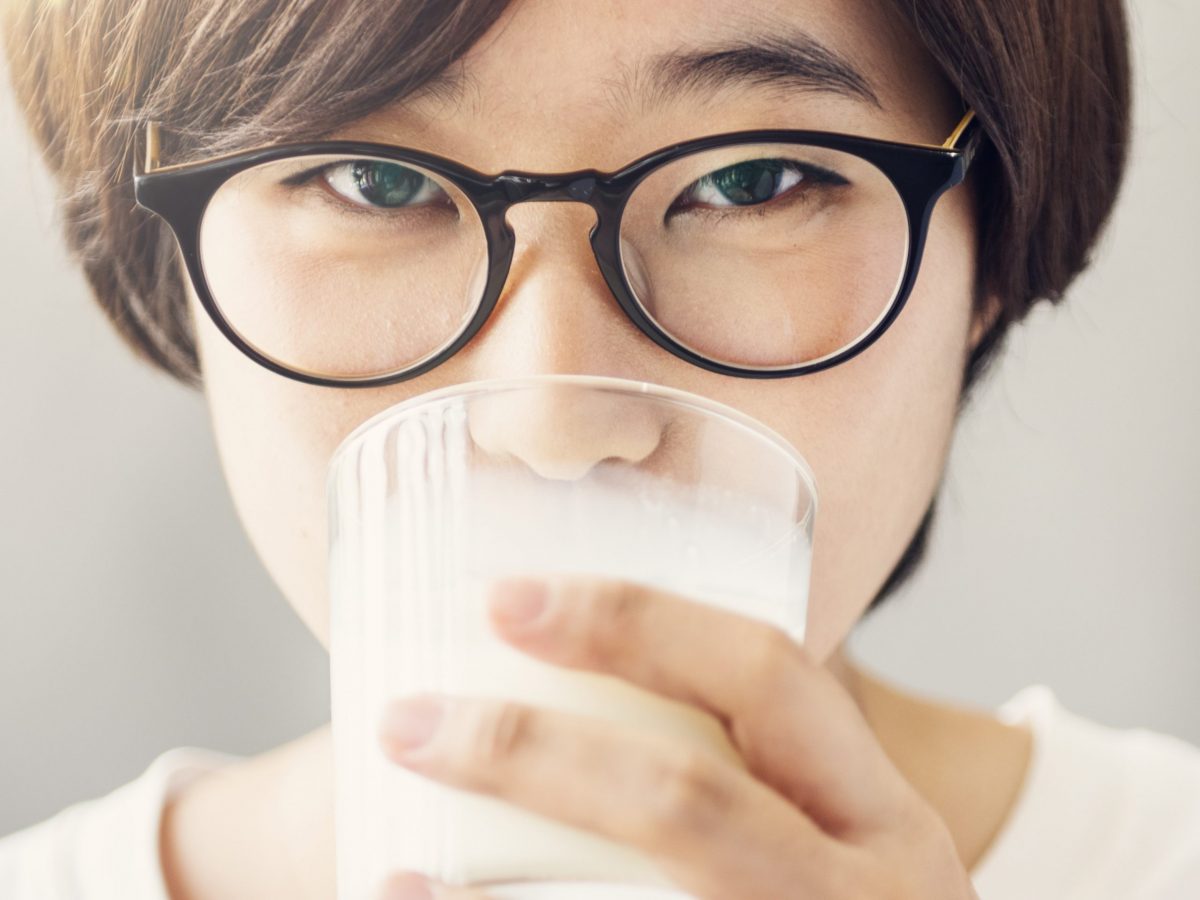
[151, 146]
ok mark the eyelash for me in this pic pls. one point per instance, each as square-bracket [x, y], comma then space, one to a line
[341, 204]
[810, 175]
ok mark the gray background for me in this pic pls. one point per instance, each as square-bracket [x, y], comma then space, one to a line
[135, 616]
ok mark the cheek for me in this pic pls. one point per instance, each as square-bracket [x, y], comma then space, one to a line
[275, 437]
[877, 431]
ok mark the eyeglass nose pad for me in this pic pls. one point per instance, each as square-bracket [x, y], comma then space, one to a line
[634, 268]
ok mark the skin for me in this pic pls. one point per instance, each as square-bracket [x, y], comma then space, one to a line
[860, 789]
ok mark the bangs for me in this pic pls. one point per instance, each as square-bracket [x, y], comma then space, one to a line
[239, 73]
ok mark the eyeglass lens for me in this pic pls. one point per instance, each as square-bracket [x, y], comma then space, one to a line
[757, 256]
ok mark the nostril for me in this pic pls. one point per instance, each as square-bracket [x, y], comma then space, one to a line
[559, 469]
[562, 434]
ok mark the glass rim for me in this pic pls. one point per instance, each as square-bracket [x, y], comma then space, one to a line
[629, 386]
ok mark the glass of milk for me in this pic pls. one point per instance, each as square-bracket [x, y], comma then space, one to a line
[436, 497]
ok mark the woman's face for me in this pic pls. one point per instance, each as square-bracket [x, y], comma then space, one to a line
[552, 89]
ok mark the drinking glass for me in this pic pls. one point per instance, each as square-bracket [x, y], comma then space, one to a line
[432, 500]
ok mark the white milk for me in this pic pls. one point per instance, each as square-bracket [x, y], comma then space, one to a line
[409, 615]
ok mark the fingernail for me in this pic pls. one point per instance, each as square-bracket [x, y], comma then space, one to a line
[409, 723]
[520, 601]
[405, 887]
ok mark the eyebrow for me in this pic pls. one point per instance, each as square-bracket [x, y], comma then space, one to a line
[791, 60]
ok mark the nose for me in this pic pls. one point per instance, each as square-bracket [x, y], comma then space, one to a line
[557, 315]
[560, 432]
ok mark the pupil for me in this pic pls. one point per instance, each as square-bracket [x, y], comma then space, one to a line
[749, 182]
[386, 184]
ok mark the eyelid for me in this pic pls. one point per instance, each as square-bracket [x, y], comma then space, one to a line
[300, 177]
[810, 174]
[344, 204]
[339, 202]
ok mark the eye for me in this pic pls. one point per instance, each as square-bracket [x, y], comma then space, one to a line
[753, 183]
[382, 185]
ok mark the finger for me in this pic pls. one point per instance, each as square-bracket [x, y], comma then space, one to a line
[793, 722]
[414, 886]
[713, 828]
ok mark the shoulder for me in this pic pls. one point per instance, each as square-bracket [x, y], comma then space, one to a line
[1152, 784]
[1150, 771]
[103, 848]
[1106, 811]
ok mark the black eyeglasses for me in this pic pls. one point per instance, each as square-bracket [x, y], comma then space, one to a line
[758, 254]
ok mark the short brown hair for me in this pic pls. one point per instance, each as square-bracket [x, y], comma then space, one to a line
[224, 74]
[1049, 81]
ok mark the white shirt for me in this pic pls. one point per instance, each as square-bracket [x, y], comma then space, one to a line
[1103, 814]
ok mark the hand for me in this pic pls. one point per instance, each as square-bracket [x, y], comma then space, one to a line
[819, 811]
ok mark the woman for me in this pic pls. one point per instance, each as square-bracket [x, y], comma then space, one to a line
[856, 789]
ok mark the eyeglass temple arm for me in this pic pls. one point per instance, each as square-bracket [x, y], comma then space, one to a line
[969, 126]
[151, 159]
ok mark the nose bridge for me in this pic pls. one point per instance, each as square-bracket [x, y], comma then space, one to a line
[557, 315]
[555, 312]
[549, 239]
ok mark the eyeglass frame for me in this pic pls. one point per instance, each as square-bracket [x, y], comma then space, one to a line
[180, 193]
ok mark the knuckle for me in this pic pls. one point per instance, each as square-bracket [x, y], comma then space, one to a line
[498, 732]
[776, 657]
[689, 796]
[611, 611]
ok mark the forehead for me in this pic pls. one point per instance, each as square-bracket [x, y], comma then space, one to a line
[574, 82]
